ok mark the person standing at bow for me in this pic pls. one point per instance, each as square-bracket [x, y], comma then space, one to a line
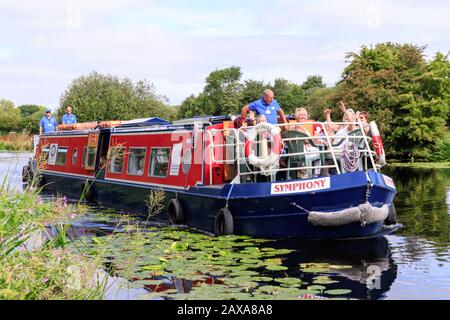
[69, 117]
[48, 123]
[266, 106]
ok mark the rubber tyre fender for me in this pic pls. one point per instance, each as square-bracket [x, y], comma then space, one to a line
[175, 212]
[223, 223]
[26, 174]
[392, 216]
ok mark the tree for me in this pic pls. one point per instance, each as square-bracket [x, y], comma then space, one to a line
[31, 115]
[221, 92]
[98, 97]
[311, 83]
[318, 100]
[252, 90]
[9, 116]
[192, 106]
[289, 95]
[28, 109]
[405, 94]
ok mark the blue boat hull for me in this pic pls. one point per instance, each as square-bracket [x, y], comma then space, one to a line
[255, 210]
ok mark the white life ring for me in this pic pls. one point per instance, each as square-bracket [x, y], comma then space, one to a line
[270, 161]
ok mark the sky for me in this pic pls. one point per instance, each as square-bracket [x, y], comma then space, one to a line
[175, 44]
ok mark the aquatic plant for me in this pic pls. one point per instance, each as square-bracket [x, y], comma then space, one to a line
[35, 261]
[442, 153]
[155, 202]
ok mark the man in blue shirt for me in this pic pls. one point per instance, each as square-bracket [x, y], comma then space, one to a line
[266, 106]
[47, 123]
[69, 117]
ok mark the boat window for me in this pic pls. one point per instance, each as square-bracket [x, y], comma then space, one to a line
[61, 156]
[74, 157]
[116, 158]
[136, 161]
[45, 152]
[90, 162]
[83, 159]
[159, 162]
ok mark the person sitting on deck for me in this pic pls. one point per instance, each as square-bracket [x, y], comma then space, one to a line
[362, 116]
[301, 115]
[310, 129]
[341, 130]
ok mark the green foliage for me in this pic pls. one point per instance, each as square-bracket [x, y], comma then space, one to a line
[9, 116]
[34, 264]
[28, 109]
[442, 152]
[252, 91]
[311, 83]
[406, 95]
[289, 95]
[320, 99]
[30, 123]
[98, 97]
[225, 93]
[222, 91]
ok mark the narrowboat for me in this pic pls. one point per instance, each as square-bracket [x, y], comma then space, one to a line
[268, 181]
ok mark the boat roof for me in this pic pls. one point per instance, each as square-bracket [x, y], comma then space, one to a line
[146, 124]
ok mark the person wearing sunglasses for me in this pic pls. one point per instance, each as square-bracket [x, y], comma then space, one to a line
[48, 123]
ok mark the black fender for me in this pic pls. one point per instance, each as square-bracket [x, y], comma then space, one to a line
[223, 223]
[175, 212]
[27, 174]
[392, 216]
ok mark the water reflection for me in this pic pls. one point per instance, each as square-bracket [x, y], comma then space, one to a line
[370, 269]
[422, 203]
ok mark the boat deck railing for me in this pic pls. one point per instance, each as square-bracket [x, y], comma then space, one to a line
[304, 154]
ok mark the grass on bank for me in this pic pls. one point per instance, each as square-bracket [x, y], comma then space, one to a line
[35, 264]
[22, 141]
[420, 165]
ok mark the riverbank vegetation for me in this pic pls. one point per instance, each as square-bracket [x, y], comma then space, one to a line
[21, 141]
[35, 260]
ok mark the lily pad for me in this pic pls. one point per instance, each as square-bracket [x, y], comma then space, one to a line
[179, 246]
[276, 261]
[316, 287]
[273, 267]
[153, 267]
[288, 281]
[338, 292]
[262, 279]
[323, 280]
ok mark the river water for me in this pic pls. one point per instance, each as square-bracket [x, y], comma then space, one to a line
[411, 264]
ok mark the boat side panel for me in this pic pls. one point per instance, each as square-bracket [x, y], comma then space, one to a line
[72, 142]
[176, 176]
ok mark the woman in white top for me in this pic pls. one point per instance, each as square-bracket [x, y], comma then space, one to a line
[341, 130]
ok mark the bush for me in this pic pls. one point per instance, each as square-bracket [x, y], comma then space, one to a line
[442, 153]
